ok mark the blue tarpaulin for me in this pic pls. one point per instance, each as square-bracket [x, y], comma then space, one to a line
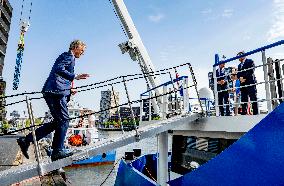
[128, 175]
[255, 159]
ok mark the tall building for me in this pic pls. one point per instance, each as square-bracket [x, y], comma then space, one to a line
[125, 112]
[5, 22]
[108, 99]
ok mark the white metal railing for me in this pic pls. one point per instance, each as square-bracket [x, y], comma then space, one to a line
[271, 76]
[171, 104]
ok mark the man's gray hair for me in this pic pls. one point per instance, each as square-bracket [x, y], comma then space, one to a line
[74, 44]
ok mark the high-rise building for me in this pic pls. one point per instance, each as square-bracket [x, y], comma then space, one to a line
[109, 99]
[125, 112]
[5, 22]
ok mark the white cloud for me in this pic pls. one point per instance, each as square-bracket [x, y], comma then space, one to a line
[247, 37]
[277, 29]
[227, 13]
[156, 18]
[206, 11]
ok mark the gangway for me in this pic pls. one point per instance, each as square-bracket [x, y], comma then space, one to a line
[17, 174]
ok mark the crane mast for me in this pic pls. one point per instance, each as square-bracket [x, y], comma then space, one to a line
[136, 49]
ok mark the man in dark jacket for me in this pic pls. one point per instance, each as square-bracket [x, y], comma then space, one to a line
[247, 78]
[223, 94]
[56, 92]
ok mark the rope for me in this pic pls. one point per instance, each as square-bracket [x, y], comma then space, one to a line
[152, 177]
[111, 171]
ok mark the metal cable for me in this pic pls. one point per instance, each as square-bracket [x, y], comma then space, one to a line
[88, 89]
[121, 26]
[22, 10]
[83, 86]
[124, 104]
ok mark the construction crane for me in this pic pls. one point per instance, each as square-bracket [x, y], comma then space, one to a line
[137, 51]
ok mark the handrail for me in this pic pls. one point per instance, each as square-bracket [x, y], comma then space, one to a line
[217, 62]
[165, 84]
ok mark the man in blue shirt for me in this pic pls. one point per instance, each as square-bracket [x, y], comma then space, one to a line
[56, 92]
[247, 78]
[222, 86]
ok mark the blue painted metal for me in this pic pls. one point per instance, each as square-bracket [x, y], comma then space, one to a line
[128, 175]
[250, 53]
[216, 59]
[255, 159]
[110, 157]
[17, 73]
[165, 84]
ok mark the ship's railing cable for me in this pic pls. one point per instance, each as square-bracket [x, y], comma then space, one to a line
[273, 81]
[88, 89]
[254, 84]
[97, 112]
[101, 82]
[255, 67]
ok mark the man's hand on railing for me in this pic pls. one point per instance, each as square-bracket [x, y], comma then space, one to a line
[221, 82]
[82, 76]
[73, 91]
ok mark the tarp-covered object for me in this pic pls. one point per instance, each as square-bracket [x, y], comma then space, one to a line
[127, 175]
[255, 159]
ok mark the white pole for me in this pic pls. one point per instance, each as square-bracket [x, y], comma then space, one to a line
[267, 90]
[215, 90]
[150, 106]
[162, 175]
[185, 96]
[141, 111]
[165, 103]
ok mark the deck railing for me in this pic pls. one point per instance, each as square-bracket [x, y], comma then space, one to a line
[272, 78]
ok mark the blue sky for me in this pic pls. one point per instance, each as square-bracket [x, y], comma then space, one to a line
[174, 32]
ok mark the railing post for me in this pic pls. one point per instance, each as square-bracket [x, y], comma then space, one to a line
[185, 96]
[162, 174]
[165, 103]
[267, 90]
[131, 110]
[150, 105]
[141, 110]
[31, 116]
[215, 91]
[279, 82]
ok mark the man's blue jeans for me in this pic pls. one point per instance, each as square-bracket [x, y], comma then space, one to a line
[58, 108]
